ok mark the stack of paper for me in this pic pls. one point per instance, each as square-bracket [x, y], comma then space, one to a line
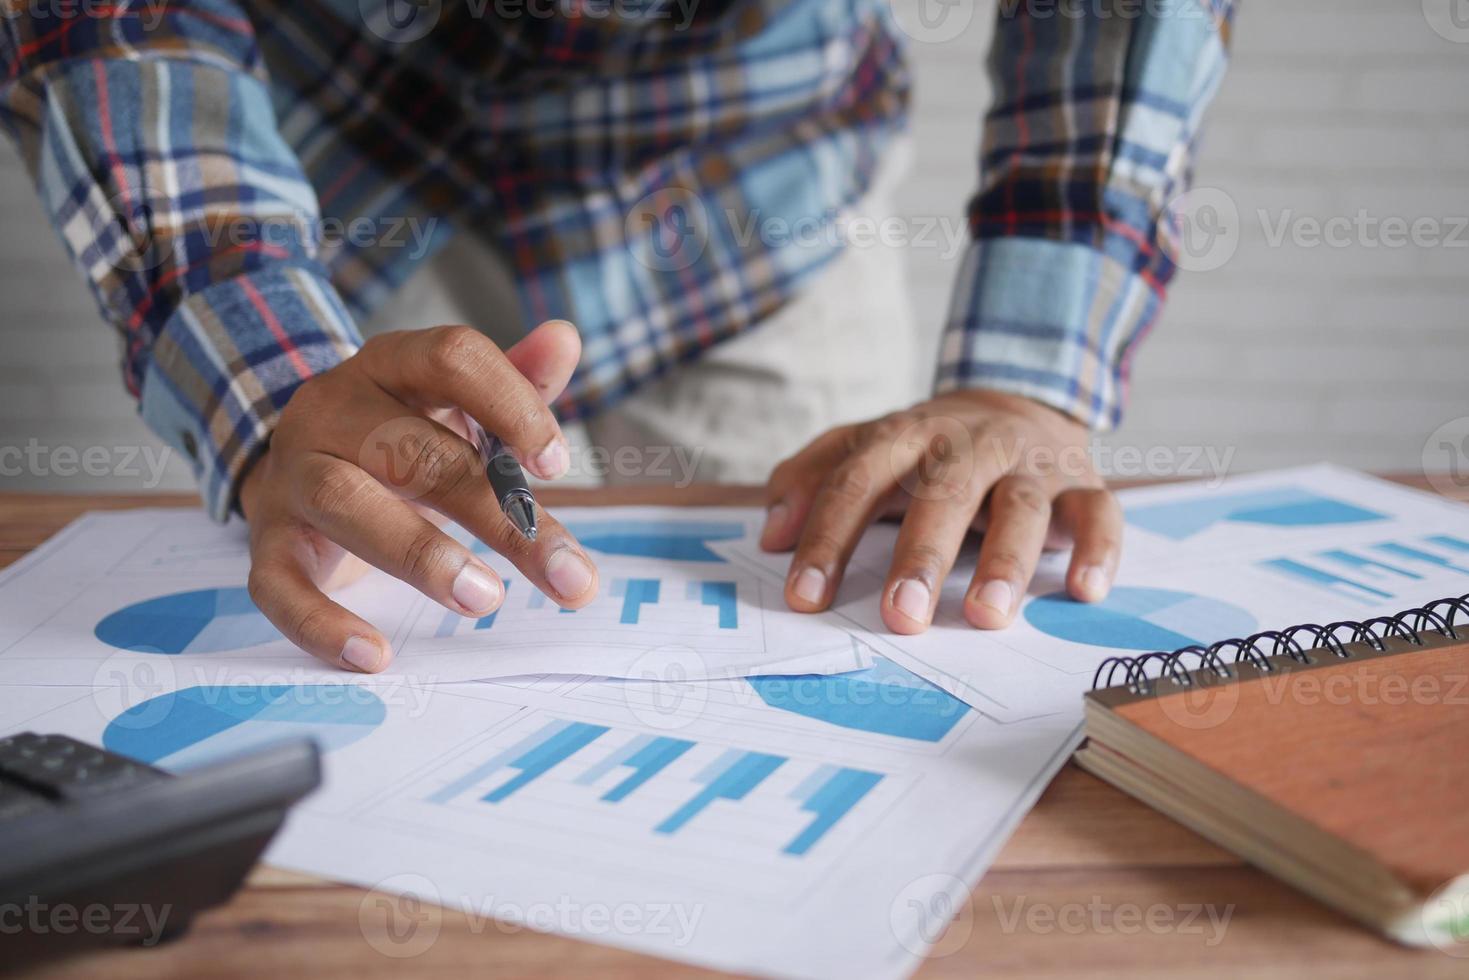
[695, 772]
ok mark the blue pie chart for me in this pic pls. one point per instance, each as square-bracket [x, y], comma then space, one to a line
[199, 724]
[1140, 619]
[200, 621]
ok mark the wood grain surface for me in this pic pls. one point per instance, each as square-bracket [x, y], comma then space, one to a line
[1092, 883]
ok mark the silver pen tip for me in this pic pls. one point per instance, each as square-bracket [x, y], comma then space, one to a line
[522, 513]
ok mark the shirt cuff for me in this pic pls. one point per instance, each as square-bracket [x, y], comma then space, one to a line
[1051, 320]
[227, 361]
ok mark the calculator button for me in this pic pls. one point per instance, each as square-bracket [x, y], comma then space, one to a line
[63, 769]
[16, 802]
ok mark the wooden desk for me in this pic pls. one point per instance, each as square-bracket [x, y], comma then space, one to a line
[1084, 854]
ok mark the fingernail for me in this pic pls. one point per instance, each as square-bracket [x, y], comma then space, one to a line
[775, 520]
[475, 589]
[997, 594]
[1094, 582]
[569, 574]
[553, 461]
[911, 598]
[361, 653]
[810, 585]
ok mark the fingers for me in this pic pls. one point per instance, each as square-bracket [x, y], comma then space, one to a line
[283, 591]
[928, 543]
[1020, 515]
[853, 492]
[440, 469]
[947, 491]
[1093, 518]
[843, 508]
[793, 486]
[355, 511]
[547, 357]
[422, 460]
[934, 464]
[554, 562]
[456, 366]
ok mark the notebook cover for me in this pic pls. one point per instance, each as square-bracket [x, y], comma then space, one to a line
[1373, 751]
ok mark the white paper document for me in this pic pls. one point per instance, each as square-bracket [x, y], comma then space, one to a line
[803, 796]
[167, 588]
[816, 826]
[1201, 563]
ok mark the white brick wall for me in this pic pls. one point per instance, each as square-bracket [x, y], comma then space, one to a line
[1284, 355]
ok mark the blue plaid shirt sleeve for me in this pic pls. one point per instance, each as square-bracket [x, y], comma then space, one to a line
[150, 134]
[1090, 135]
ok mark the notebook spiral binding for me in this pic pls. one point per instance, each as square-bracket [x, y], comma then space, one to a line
[1141, 674]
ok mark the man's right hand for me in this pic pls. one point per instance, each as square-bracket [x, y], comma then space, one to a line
[366, 456]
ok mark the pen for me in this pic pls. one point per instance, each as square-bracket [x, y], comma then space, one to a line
[506, 478]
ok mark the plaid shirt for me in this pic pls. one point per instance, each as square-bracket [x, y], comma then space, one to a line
[238, 185]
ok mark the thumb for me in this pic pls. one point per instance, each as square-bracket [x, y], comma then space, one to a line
[547, 356]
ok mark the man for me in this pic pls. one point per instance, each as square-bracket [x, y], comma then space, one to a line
[621, 165]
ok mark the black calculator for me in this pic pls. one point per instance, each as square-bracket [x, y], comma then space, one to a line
[98, 849]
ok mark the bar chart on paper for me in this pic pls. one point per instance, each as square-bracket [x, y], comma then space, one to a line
[675, 606]
[661, 586]
[584, 785]
[1414, 569]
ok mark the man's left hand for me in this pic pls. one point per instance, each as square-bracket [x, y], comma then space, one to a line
[1013, 467]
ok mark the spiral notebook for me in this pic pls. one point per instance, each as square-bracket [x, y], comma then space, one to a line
[1335, 757]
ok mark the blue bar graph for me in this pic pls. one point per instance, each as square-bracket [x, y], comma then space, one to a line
[792, 821]
[550, 752]
[538, 600]
[731, 777]
[533, 755]
[612, 760]
[1315, 576]
[636, 593]
[646, 601]
[495, 763]
[448, 625]
[646, 755]
[1377, 571]
[453, 622]
[1418, 554]
[485, 622]
[721, 595]
[829, 793]
[1366, 564]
